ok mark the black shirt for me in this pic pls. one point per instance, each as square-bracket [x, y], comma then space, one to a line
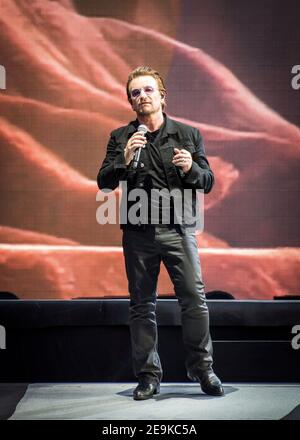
[160, 207]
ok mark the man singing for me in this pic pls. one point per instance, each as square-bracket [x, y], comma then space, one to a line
[169, 157]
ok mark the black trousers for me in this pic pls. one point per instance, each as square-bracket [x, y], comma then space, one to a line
[143, 252]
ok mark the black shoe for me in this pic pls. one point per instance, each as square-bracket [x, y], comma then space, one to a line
[210, 383]
[146, 390]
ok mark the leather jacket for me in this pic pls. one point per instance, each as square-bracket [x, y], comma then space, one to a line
[174, 134]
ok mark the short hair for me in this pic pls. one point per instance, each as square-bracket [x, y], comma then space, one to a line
[146, 71]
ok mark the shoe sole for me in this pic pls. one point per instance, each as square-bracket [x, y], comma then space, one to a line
[156, 391]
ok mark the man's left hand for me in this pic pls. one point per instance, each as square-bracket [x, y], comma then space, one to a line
[182, 158]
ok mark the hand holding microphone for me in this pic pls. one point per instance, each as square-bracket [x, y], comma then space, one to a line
[134, 146]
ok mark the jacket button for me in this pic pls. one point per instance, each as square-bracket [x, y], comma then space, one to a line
[141, 185]
[142, 165]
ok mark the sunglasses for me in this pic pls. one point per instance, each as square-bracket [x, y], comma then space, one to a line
[135, 93]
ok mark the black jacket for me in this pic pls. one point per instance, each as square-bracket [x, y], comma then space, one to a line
[174, 134]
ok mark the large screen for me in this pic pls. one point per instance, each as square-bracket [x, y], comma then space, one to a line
[232, 70]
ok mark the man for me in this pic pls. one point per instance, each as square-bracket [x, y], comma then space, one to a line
[172, 158]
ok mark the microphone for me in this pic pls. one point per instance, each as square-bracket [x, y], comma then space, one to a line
[136, 158]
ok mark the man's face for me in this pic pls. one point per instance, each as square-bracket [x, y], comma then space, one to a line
[146, 103]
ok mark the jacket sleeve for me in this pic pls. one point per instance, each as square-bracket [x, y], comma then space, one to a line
[200, 176]
[113, 168]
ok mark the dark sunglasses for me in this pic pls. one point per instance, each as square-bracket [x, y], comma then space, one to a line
[135, 93]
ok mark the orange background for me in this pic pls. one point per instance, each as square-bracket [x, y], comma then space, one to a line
[228, 72]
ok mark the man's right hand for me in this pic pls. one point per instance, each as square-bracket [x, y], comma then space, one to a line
[137, 140]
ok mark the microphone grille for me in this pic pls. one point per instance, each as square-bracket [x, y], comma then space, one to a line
[143, 128]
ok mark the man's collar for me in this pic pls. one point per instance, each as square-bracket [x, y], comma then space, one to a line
[132, 126]
[169, 126]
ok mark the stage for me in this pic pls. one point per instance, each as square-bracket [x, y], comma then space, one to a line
[72, 360]
[89, 340]
[176, 401]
